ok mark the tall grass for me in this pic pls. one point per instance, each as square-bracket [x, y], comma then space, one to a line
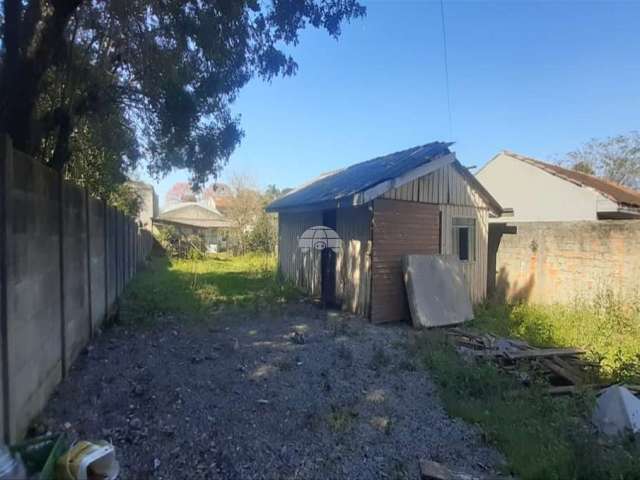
[542, 437]
[545, 437]
[198, 286]
[607, 327]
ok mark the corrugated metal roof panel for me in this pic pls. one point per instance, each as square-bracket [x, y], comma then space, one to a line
[345, 183]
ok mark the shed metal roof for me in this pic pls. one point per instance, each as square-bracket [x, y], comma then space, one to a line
[330, 189]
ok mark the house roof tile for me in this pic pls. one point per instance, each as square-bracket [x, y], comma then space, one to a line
[618, 193]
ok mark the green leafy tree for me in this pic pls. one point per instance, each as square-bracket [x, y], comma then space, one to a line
[167, 70]
[102, 151]
[272, 192]
[614, 158]
[125, 198]
[263, 237]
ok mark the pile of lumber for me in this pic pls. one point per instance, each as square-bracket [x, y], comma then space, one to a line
[430, 470]
[564, 367]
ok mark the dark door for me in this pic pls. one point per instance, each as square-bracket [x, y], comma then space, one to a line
[328, 264]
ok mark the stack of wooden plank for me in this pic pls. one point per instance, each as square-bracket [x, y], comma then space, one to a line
[564, 367]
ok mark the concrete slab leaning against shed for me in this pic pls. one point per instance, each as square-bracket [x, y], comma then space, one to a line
[435, 290]
[416, 201]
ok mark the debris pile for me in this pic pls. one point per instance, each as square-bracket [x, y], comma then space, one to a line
[430, 470]
[563, 367]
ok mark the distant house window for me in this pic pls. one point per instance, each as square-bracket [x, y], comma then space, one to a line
[464, 238]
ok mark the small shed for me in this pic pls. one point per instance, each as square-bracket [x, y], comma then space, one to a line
[417, 201]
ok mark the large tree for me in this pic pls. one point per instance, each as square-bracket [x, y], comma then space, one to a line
[168, 70]
[614, 158]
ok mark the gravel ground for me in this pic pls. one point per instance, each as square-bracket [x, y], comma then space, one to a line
[294, 394]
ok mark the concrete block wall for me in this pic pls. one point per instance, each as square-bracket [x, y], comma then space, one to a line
[33, 309]
[64, 260]
[98, 261]
[77, 317]
[112, 258]
[559, 262]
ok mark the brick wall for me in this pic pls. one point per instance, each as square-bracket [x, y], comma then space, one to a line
[548, 262]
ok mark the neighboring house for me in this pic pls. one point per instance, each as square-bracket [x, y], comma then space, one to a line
[191, 218]
[417, 201]
[540, 192]
[148, 203]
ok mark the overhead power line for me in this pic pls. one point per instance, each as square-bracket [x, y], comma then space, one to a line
[446, 68]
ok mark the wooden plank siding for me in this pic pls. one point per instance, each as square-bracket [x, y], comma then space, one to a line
[456, 198]
[353, 284]
[398, 228]
[353, 267]
[414, 218]
[475, 271]
[444, 186]
[301, 268]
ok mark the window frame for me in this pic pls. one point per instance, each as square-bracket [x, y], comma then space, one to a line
[469, 224]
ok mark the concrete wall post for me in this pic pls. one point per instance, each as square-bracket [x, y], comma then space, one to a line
[63, 343]
[106, 259]
[6, 152]
[88, 232]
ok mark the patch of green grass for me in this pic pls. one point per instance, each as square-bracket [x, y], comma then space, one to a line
[542, 437]
[341, 419]
[608, 328]
[379, 359]
[199, 286]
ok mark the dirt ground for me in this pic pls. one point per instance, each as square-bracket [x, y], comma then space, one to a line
[294, 394]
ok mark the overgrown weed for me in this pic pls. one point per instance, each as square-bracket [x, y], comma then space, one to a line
[542, 437]
[607, 327]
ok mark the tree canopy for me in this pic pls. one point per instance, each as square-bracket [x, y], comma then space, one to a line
[108, 81]
[614, 158]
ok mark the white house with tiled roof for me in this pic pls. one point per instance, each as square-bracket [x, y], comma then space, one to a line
[541, 192]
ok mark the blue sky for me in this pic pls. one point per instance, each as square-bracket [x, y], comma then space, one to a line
[539, 78]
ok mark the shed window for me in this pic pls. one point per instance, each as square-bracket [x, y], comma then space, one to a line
[464, 238]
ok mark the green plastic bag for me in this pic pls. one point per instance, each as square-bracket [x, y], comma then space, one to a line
[40, 454]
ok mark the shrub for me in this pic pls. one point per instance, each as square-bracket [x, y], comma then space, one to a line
[179, 245]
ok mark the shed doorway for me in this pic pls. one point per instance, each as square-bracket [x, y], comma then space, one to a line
[328, 262]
